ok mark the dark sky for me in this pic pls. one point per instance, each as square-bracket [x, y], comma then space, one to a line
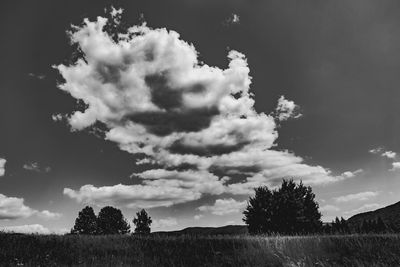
[337, 60]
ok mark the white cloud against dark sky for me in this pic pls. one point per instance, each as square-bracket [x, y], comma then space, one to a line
[155, 98]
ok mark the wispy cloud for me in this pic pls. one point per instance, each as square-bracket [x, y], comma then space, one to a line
[376, 150]
[350, 174]
[232, 19]
[395, 166]
[329, 208]
[132, 196]
[48, 215]
[37, 76]
[224, 206]
[389, 154]
[27, 229]
[198, 216]
[380, 150]
[34, 166]
[362, 196]
[165, 223]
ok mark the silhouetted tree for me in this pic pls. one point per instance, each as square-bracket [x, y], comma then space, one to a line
[86, 223]
[110, 221]
[142, 222]
[258, 214]
[289, 209]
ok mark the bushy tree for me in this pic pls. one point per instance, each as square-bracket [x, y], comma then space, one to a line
[258, 215]
[110, 221]
[289, 209]
[142, 222]
[86, 223]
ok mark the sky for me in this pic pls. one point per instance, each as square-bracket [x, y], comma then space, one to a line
[182, 107]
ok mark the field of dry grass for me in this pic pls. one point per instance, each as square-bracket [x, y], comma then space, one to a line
[52, 250]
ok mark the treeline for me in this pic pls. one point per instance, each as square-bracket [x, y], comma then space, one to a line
[341, 226]
[290, 209]
[109, 221]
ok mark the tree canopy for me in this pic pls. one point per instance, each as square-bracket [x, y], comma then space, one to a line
[290, 209]
[86, 222]
[142, 222]
[110, 221]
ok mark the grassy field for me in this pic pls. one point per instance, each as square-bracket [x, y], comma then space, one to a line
[52, 250]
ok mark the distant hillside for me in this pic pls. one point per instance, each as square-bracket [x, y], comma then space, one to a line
[224, 230]
[389, 214]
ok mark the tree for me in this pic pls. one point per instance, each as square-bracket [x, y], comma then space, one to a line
[86, 223]
[289, 209]
[142, 222]
[258, 214]
[110, 221]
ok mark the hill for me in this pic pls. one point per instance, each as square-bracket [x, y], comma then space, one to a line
[224, 230]
[389, 214]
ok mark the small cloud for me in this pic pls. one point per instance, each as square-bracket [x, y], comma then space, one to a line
[115, 12]
[286, 109]
[34, 166]
[349, 174]
[329, 208]
[57, 117]
[2, 166]
[198, 216]
[37, 76]
[27, 229]
[395, 166]
[48, 215]
[380, 150]
[362, 196]
[232, 19]
[224, 206]
[389, 154]
[376, 150]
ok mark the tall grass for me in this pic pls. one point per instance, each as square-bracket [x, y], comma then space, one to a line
[153, 250]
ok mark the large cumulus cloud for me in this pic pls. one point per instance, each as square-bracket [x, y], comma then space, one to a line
[196, 121]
